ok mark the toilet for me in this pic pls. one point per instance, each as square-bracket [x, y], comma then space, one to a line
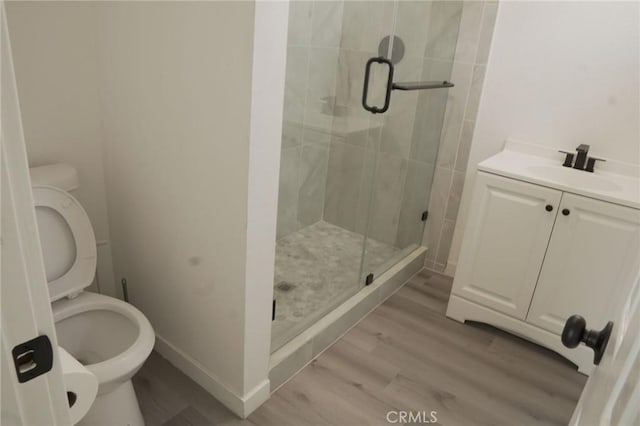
[111, 338]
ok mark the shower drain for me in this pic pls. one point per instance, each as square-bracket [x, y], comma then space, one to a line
[285, 286]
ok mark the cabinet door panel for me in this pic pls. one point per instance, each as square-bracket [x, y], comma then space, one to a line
[593, 248]
[504, 243]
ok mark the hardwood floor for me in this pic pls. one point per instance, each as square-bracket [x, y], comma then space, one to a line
[405, 355]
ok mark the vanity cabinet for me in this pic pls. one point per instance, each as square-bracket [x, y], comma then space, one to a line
[532, 256]
[594, 246]
[505, 241]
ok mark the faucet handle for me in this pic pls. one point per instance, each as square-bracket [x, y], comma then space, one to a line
[568, 160]
[591, 161]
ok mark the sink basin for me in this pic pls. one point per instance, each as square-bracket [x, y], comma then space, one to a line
[573, 177]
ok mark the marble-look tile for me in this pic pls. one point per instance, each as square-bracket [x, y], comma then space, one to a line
[399, 119]
[470, 24]
[455, 194]
[299, 23]
[369, 138]
[465, 145]
[474, 92]
[281, 372]
[437, 208]
[415, 200]
[412, 25]
[323, 66]
[312, 134]
[313, 176]
[486, 33]
[291, 134]
[327, 336]
[367, 181]
[443, 29]
[445, 243]
[295, 87]
[288, 192]
[365, 23]
[344, 182]
[430, 112]
[387, 196]
[350, 78]
[320, 264]
[326, 23]
[437, 69]
[454, 115]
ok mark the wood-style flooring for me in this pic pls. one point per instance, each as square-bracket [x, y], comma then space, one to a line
[404, 356]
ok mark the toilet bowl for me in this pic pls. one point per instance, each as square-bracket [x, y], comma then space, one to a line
[111, 338]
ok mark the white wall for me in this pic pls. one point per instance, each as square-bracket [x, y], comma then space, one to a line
[180, 139]
[267, 93]
[171, 108]
[560, 74]
[54, 50]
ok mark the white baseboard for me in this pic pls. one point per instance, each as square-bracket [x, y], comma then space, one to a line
[242, 406]
[450, 270]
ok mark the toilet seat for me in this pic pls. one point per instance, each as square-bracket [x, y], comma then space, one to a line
[82, 271]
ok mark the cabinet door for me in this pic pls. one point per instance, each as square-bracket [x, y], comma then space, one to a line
[595, 245]
[504, 243]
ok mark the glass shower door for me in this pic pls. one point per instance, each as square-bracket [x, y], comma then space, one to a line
[326, 159]
[408, 134]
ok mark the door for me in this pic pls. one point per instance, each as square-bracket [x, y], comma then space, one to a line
[404, 140]
[26, 310]
[505, 241]
[326, 159]
[595, 245]
[612, 393]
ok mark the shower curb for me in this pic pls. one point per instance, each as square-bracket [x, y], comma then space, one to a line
[288, 360]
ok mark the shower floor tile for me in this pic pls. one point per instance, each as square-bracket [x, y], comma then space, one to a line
[316, 269]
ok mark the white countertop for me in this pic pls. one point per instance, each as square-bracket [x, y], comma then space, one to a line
[616, 182]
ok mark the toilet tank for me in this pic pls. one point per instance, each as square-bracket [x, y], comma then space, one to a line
[60, 175]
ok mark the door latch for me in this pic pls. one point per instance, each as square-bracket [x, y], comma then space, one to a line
[32, 358]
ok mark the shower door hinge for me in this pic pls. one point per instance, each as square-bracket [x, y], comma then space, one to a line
[368, 280]
[273, 310]
[425, 215]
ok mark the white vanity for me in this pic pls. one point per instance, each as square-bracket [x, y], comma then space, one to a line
[544, 242]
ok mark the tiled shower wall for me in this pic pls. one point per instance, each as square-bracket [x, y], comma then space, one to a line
[472, 51]
[312, 55]
[329, 141]
[406, 137]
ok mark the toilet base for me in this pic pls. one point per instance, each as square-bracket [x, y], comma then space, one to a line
[119, 407]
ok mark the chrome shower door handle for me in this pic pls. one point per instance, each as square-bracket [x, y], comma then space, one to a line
[365, 89]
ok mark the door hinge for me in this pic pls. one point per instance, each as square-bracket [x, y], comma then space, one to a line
[32, 358]
[368, 280]
[273, 310]
[425, 215]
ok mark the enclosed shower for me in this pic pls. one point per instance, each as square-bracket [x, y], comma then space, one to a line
[365, 97]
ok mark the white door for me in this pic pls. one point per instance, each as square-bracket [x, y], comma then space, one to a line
[506, 237]
[612, 393]
[594, 247]
[24, 297]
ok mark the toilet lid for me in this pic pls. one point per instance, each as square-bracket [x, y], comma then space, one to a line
[67, 240]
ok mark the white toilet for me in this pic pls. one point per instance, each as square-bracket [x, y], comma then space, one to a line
[111, 338]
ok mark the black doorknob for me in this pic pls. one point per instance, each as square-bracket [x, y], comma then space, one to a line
[575, 332]
[548, 207]
[566, 212]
